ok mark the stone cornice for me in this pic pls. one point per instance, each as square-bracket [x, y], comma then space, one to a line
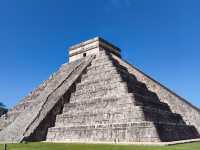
[101, 40]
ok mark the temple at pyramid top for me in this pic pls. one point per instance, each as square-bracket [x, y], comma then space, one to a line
[92, 47]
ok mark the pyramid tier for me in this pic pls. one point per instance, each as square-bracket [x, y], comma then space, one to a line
[137, 87]
[114, 77]
[104, 67]
[107, 114]
[129, 98]
[136, 99]
[126, 132]
[109, 104]
[133, 85]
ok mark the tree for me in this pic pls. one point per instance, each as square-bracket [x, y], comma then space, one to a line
[2, 105]
[3, 109]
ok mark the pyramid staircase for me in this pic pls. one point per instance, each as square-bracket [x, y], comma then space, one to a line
[32, 99]
[108, 104]
[33, 120]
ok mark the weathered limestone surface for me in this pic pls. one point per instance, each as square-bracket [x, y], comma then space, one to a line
[190, 113]
[100, 98]
[27, 122]
[32, 99]
[110, 105]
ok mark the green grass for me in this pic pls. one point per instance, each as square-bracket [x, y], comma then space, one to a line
[48, 146]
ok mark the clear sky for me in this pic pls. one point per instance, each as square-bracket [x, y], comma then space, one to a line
[161, 37]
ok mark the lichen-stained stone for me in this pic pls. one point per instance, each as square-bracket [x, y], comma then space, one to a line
[99, 97]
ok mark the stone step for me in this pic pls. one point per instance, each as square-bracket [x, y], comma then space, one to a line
[93, 89]
[98, 104]
[97, 83]
[140, 89]
[92, 118]
[132, 82]
[100, 76]
[153, 104]
[109, 91]
[111, 78]
[101, 62]
[95, 71]
[106, 107]
[119, 91]
[104, 68]
[113, 113]
[105, 72]
[137, 99]
[126, 132]
[142, 100]
[120, 98]
[80, 90]
[95, 102]
[113, 133]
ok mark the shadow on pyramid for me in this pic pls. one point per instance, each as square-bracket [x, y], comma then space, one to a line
[99, 97]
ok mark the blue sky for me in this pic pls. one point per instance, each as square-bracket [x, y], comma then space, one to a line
[160, 37]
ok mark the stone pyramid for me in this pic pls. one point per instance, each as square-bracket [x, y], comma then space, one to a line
[99, 97]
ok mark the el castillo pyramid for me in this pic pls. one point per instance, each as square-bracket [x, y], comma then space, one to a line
[99, 97]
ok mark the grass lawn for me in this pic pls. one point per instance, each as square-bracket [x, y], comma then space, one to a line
[48, 146]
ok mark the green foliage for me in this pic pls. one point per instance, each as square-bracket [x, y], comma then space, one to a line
[50, 146]
[2, 105]
[3, 108]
